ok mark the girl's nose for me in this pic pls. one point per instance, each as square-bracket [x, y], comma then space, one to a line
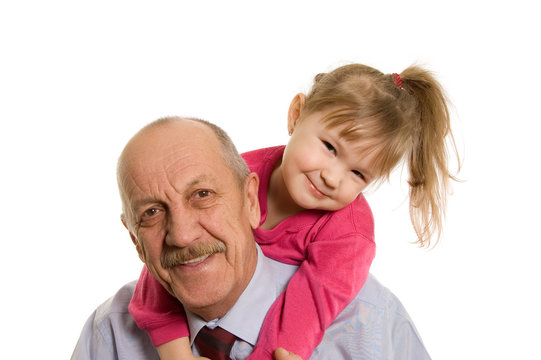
[330, 177]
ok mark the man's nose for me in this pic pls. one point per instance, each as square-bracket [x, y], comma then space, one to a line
[183, 227]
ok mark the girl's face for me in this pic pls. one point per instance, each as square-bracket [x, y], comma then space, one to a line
[321, 170]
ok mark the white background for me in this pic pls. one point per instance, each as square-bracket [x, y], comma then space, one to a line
[78, 79]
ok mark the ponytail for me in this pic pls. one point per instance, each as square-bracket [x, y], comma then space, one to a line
[429, 175]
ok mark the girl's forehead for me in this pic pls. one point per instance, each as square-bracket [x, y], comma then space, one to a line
[362, 134]
[356, 139]
[352, 130]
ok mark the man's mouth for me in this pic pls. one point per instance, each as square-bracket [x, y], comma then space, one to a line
[195, 260]
[173, 256]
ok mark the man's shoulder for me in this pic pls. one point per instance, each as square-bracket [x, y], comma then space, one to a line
[116, 304]
[375, 325]
[111, 332]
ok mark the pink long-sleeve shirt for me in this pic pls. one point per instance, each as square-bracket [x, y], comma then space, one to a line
[334, 251]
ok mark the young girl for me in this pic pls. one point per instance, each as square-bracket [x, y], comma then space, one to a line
[353, 128]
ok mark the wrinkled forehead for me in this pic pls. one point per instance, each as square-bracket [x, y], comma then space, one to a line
[169, 155]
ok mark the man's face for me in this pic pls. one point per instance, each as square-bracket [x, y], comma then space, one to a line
[191, 222]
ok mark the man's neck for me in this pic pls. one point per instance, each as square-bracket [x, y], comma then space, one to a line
[245, 317]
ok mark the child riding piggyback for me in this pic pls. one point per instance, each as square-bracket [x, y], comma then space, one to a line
[352, 129]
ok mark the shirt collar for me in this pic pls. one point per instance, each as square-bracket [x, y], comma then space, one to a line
[246, 317]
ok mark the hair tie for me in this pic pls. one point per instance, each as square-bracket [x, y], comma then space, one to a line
[397, 80]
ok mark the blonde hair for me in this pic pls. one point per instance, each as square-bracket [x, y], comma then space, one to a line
[403, 121]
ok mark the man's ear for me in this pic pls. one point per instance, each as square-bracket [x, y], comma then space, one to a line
[133, 238]
[251, 190]
[294, 113]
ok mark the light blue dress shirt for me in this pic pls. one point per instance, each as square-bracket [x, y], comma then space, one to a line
[374, 325]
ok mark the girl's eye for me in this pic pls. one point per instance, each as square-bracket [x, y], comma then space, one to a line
[358, 174]
[329, 147]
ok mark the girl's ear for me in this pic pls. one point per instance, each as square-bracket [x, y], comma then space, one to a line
[294, 113]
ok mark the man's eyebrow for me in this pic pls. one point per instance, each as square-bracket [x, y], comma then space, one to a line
[142, 202]
[196, 181]
[202, 179]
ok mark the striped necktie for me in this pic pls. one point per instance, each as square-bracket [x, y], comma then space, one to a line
[214, 343]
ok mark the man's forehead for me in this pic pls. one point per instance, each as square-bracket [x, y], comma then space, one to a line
[178, 169]
[176, 152]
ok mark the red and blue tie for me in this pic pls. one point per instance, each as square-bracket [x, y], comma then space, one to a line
[214, 343]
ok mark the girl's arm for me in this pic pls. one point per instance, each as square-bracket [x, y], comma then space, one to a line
[326, 282]
[162, 317]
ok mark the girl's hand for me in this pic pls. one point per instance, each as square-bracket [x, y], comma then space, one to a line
[283, 354]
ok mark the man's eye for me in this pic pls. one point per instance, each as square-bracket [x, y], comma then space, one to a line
[358, 174]
[202, 193]
[329, 147]
[151, 212]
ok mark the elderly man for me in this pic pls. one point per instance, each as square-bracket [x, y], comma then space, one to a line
[190, 205]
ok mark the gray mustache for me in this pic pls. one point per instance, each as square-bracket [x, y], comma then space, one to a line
[174, 256]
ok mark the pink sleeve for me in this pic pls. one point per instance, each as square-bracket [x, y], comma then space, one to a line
[156, 311]
[326, 282]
